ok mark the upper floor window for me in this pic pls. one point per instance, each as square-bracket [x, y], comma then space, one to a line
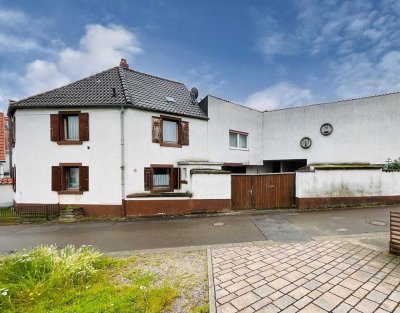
[238, 140]
[69, 127]
[170, 131]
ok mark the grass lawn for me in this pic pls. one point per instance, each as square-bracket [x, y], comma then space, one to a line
[47, 279]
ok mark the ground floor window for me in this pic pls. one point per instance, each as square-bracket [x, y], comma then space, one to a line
[161, 178]
[70, 178]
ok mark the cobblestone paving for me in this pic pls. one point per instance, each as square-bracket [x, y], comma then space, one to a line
[306, 277]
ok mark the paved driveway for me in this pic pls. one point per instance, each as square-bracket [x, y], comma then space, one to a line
[317, 276]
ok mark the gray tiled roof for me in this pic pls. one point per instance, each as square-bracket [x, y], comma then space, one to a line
[133, 89]
[149, 92]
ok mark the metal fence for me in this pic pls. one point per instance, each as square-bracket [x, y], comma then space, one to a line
[394, 232]
[46, 211]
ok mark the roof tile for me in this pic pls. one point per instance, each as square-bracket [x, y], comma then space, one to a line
[132, 88]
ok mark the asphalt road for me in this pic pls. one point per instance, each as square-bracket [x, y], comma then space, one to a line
[188, 231]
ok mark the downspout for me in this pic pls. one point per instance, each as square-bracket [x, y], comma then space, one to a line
[122, 123]
[10, 150]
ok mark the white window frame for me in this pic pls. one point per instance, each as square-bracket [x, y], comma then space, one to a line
[238, 134]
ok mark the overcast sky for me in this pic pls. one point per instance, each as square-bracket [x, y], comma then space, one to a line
[264, 54]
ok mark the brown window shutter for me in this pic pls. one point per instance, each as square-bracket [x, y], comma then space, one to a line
[56, 178]
[156, 129]
[84, 178]
[176, 178]
[54, 127]
[83, 126]
[185, 133]
[14, 176]
[147, 178]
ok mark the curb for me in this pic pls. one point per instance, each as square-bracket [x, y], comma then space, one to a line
[260, 243]
[211, 287]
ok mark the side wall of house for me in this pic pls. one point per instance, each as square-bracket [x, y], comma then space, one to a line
[364, 130]
[225, 116]
[34, 155]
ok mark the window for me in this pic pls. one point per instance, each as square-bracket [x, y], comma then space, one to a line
[161, 177]
[70, 178]
[238, 140]
[69, 127]
[170, 99]
[170, 131]
[233, 140]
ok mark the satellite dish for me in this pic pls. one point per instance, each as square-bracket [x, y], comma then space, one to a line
[194, 93]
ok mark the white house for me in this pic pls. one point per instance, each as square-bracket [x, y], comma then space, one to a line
[123, 143]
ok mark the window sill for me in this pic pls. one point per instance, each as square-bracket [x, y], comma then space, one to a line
[69, 142]
[174, 145]
[161, 190]
[160, 194]
[240, 149]
[70, 192]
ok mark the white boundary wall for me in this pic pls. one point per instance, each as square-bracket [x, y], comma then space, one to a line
[211, 186]
[347, 183]
[6, 195]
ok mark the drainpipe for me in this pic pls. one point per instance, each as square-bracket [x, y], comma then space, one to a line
[122, 123]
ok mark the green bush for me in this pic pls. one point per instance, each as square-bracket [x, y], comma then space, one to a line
[392, 165]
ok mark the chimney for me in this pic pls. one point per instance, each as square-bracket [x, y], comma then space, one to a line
[123, 63]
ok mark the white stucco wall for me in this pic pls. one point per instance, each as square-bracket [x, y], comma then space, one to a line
[6, 195]
[364, 131]
[140, 151]
[187, 166]
[224, 116]
[34, 154]
[211, 186]
[347, 183]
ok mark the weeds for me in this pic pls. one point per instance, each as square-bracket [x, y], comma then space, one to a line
[392, 165]
[47, 279]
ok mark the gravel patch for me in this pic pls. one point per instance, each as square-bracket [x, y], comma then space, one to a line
[185, 271]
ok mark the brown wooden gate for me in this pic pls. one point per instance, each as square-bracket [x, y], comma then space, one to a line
[266, 191]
